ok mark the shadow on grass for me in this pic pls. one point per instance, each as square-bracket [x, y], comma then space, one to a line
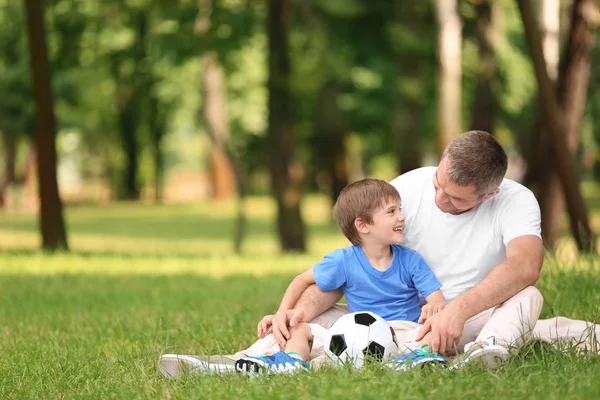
[172, 228]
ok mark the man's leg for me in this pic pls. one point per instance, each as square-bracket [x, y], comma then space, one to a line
[583, 335]
[512, 322]
[509, 324]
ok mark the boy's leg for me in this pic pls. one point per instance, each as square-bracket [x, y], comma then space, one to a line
[301, 339]
[294, 359]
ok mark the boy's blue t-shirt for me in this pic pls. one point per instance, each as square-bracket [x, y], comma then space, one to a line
[392, 294]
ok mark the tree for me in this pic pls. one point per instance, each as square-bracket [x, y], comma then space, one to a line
[51, 219]
[572, 90]
[330, 137]
[214, 112]
[449, 48]
[286, 171]
[561, 120]
[485, 104]
[412, 39]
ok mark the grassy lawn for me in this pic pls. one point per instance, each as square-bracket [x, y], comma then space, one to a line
[144, 280]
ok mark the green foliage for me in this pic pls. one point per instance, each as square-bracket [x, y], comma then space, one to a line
[382, 54]
[16, 104]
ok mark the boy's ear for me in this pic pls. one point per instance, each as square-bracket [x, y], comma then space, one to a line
[361, 226]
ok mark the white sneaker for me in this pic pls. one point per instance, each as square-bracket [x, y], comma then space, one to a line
[488, 354]
[178, 365]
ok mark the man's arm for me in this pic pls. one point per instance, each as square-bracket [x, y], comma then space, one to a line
[314, 302]
[525, 256]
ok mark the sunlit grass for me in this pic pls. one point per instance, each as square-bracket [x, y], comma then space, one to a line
[144, 280]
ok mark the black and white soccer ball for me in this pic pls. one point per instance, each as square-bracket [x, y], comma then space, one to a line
[361, 336]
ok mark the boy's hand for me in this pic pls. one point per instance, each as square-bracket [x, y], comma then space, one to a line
[430, 309]
[264, 326]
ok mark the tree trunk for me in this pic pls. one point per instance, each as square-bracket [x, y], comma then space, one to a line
[331, 135]
[52, 224]
[536, 147]
[215, 115]
[549, 190]
[156, 122]
[485, 104]
[214, 112]
[572, 93]
[286, 171]
[559, 124]
[449, 49]
[129, 89]
[127, 122]
[406, 127]
[10, 152]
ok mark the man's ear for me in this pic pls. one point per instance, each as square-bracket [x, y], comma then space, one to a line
[361, 226]
[491, 194]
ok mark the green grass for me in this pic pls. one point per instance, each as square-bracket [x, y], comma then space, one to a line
[144, 280]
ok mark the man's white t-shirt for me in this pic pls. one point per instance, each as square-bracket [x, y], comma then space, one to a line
[462, 249]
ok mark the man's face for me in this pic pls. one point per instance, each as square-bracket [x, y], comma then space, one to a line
[451, 198]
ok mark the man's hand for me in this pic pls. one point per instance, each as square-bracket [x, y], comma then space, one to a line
[278, 325]
[445, 328]
[430, 309]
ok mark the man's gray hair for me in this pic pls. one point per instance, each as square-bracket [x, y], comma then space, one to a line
[476, 158]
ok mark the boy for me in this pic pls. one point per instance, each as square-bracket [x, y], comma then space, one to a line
[375, 273]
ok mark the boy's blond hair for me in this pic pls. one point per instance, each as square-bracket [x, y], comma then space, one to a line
[360, 200]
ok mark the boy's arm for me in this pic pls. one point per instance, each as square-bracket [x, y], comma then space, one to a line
[435, 303]
[295, 290]
[293, 293]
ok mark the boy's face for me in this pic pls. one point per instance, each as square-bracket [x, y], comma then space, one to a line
[388, 223]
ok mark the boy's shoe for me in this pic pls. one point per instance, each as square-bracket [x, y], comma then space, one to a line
[419, 357]
[488, 354]
[178, 365]
[278, 363]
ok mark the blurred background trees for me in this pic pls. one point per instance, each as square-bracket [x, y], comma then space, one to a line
[186, 100]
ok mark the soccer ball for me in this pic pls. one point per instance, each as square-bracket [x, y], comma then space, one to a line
[361, 336]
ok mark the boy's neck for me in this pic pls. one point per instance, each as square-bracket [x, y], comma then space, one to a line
[379, 255]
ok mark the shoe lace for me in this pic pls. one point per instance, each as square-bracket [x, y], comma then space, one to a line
[425, 350]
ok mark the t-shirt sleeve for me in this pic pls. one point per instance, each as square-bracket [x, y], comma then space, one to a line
[423, 277]
[520, 216]
[330, 273]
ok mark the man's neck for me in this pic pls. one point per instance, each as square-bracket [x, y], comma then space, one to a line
[379, 255]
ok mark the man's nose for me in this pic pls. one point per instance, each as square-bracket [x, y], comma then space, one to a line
[441, 197]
